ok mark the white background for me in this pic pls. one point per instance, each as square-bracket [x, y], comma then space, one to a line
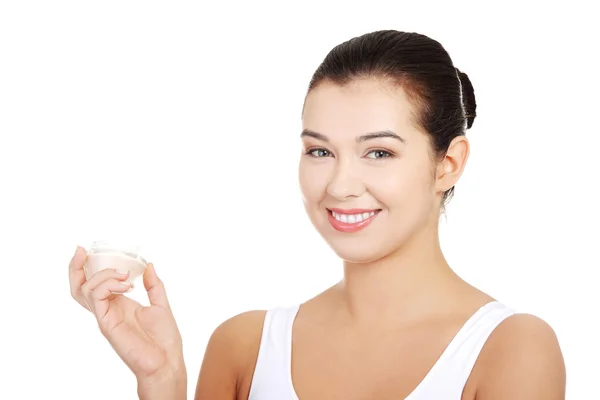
[176, 125]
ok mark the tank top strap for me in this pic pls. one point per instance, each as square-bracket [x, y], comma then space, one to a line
[449, 375]
[272, 374]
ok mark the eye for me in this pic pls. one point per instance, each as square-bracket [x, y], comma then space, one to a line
[318, 153]
[377, 154]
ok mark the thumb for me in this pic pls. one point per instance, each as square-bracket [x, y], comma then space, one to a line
[155, 288]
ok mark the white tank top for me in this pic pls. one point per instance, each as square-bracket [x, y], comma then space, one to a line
[446, 380]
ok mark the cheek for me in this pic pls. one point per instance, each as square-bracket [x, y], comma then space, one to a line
[313, 181]
[399, 186]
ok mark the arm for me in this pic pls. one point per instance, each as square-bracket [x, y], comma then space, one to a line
[522, 360]
[230, 357]
[170, 384]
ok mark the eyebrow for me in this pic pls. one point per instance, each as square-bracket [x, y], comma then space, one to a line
[362, 138]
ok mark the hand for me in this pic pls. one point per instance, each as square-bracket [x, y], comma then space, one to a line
[146, 338]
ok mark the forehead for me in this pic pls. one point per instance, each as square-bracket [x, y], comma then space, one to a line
[360, 106]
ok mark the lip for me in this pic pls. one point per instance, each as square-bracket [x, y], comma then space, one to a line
[350, 227]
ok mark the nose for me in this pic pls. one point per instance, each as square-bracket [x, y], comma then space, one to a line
[345, 183]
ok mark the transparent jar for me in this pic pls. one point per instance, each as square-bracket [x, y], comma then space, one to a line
[105, 254]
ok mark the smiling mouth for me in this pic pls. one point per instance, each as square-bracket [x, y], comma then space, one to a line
[351, 220]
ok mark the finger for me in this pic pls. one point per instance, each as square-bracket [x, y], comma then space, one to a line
[101, 295]
[155, 288]
[77, 275]
[99, 277]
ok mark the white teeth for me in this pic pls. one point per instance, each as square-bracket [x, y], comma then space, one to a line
[352, 218]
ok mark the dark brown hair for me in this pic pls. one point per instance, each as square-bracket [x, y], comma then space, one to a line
[443, 96]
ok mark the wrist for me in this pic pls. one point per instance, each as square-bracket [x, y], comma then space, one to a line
[170, 383]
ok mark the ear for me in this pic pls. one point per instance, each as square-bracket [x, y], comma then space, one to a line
[451, 167]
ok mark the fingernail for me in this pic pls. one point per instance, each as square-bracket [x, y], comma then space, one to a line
[122, 272]
[130, 286]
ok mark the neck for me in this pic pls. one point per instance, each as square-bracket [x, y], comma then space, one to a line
[402, 285]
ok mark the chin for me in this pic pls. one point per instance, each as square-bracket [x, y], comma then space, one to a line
[363, 247]
[358, 251]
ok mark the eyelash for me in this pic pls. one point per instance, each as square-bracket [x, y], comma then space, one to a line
[388, 154]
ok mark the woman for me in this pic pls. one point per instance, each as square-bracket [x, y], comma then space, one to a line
[383, 144]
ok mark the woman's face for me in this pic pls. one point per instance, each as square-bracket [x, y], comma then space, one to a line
[366, 173]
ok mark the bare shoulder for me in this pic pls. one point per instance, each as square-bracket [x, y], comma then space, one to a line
[241, 330]
[230, 357]
[521, 359]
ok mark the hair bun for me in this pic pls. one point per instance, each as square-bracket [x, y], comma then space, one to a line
[468, 96]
